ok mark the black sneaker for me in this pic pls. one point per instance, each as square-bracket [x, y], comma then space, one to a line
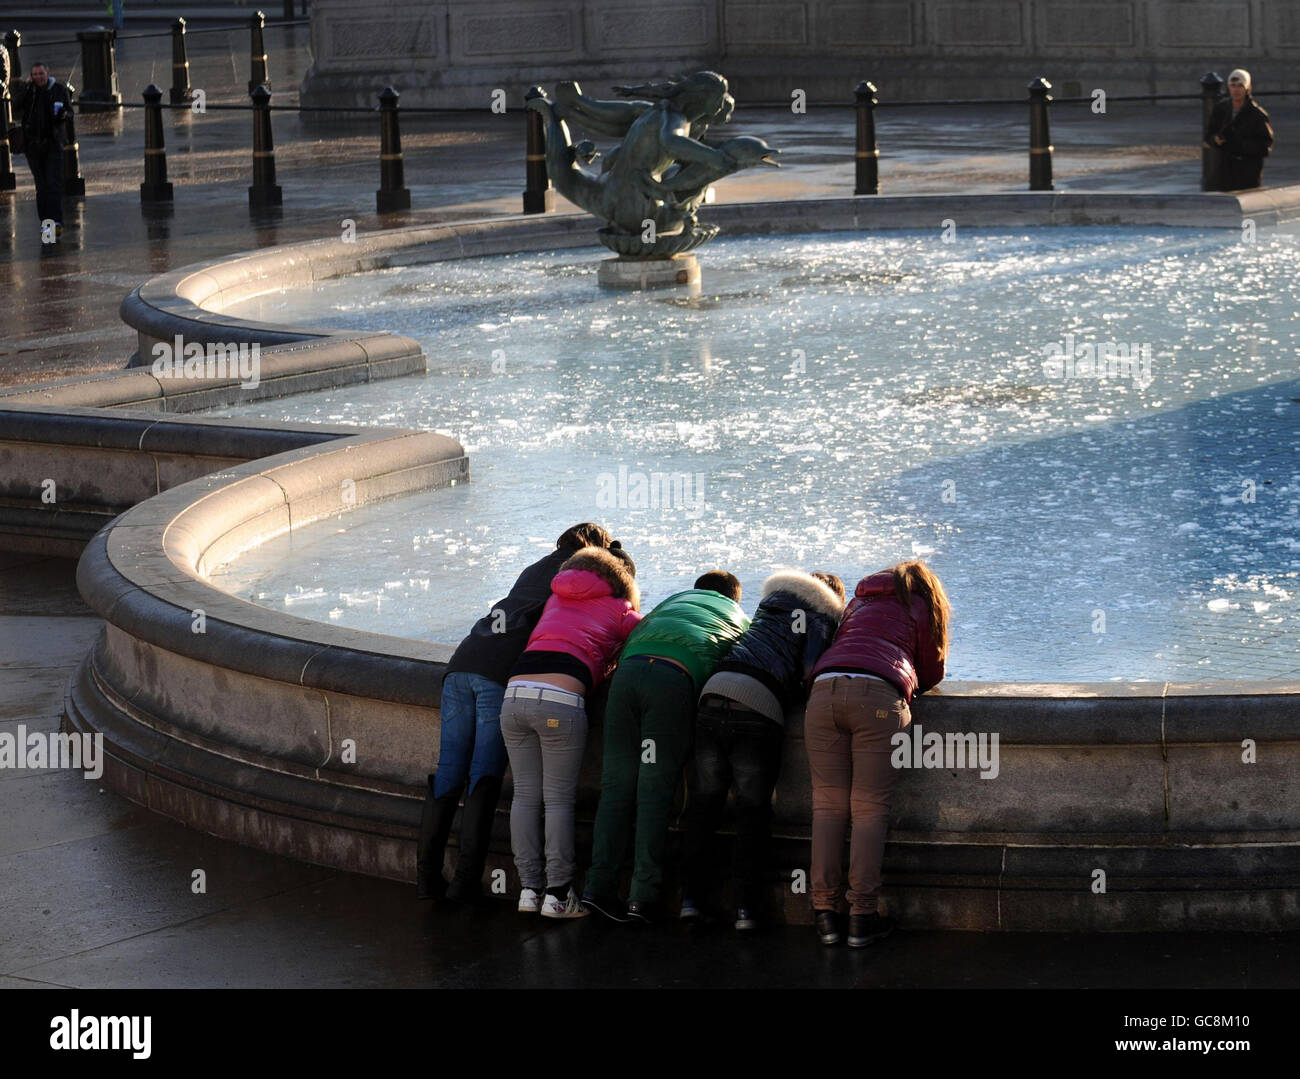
[610, 906]
[746, 920]
[645, 911]
[865, 929]
[690, 912]
[828, 926]
[428, 886]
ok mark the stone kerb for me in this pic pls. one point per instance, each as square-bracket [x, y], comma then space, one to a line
[66, 472]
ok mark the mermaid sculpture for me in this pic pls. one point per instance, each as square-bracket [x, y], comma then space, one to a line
[651, 184]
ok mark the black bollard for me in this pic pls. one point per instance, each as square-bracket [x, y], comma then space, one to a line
[13, 41]
[1040, 138]
[8, 181]
[539, 196]
[257, 52]
[393, 194]
[8, 178]
[1211, 92]
[265, 191]
[74, 184]
[155, 187]
[867, 154]
[99, 69]
[180, 91]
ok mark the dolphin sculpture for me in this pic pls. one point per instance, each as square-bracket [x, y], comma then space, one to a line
[650, 185]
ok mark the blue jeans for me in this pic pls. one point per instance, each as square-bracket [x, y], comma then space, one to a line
[470, 746]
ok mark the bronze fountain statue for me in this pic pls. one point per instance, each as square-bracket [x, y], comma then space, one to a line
[652, 183]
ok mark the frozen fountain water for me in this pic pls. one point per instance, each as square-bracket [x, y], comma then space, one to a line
[838, 402]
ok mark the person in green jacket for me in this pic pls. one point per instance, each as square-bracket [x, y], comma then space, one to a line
[648, 724]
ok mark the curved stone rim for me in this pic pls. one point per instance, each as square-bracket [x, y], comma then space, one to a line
[144, 572]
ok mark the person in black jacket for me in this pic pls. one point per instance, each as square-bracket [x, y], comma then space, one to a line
[740, 728]
[44, 108]
[470, 745]
[1240, 130]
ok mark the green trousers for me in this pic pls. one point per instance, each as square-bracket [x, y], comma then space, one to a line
[649, 722]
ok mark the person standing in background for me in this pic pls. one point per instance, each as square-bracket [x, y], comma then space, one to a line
[43, 111]
[1240, 130]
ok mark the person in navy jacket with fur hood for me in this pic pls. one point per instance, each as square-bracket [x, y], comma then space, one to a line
[740, 729]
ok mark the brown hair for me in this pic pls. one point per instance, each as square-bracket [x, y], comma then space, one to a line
[582, 535]
[720, 581]
[915, 578]
[832, 582]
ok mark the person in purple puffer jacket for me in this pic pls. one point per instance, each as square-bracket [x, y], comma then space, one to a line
[594, 605]
[891, 644]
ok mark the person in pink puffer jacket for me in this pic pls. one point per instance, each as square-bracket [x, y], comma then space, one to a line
[594, 605]
[891, 644]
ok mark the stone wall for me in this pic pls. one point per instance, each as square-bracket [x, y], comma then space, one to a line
[454, 53]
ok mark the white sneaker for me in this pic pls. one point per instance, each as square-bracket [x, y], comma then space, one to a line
[568, 907]
[530, 901]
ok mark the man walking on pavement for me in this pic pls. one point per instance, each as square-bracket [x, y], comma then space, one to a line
[43, 111]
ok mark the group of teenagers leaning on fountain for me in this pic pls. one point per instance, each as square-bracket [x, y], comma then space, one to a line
[696, 677]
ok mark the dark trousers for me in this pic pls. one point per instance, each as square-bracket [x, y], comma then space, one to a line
[1240, 173]
[47, 170]
[741, 747]
[648, 723]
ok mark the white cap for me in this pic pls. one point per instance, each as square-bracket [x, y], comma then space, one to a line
[1240, 75]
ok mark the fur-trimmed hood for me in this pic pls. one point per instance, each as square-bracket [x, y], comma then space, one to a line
[796, 619]
[609, 568]
[816, 594]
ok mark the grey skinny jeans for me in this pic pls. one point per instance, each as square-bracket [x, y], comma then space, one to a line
[545, 741]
